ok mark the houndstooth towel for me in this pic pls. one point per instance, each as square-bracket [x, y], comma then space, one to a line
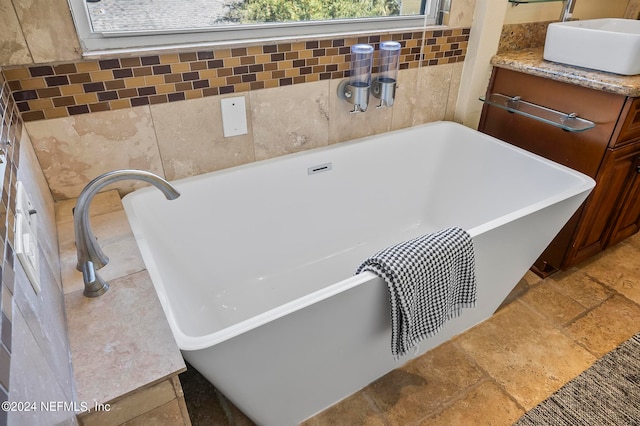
[430, 278]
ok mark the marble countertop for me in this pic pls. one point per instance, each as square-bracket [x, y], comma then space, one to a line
[530, 61]
[120, 341]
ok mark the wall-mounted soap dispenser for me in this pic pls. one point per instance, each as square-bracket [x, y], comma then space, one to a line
[356, 89]
[384, 86]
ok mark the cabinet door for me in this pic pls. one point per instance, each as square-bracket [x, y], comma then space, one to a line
[628, 221]
[610, 197]
[630, 127]
[582, 151]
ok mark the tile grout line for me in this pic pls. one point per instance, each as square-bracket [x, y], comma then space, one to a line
[488, 375]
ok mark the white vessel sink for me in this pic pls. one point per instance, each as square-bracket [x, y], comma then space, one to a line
[608, 44]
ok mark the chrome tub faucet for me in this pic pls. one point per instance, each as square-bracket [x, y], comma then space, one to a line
[90, 255]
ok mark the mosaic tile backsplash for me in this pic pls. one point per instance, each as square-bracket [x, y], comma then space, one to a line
[65, 89]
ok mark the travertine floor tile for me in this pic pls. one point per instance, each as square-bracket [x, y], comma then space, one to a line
[524, 353]
[607, 326]
[531, 278]
[633, 241]
[557, 308]
[580, 287]
[526, 282]
[417, 389]
[618, 268]
[356, 410]
[485, 405]
[520, 289]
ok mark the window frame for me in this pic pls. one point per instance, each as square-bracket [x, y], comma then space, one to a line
[114, 42]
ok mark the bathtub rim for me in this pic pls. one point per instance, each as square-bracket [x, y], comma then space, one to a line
[188, 342]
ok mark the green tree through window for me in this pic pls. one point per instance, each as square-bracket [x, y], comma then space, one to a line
[255, 11]
[131, 24]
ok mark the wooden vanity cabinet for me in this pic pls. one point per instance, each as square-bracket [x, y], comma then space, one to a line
[609, 153]
[627, 220]
[612, 211]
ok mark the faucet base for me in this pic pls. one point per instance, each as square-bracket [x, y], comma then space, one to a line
[96, 288]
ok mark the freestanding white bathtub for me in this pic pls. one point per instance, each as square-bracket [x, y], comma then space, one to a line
[254, 265]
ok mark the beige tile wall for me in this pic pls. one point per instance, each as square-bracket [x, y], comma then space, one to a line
[633, 10]
[178, 138]
[36, 31]
[13, 47]
[40, 360]
[185, 138]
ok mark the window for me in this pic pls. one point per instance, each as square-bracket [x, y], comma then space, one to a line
[155, 24]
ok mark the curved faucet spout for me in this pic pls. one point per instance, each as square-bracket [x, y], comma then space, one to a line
[90, 255]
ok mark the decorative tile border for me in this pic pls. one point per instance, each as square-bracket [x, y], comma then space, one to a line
[60, 90]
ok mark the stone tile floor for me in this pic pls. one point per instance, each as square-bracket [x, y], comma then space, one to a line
[547, 332]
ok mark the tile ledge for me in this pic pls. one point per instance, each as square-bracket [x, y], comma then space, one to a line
[103, 203]
[134, 347]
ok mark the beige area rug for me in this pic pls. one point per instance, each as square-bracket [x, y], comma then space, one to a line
[608, 393]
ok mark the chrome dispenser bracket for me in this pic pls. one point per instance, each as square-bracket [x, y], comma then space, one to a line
[385, 91]
[358, 96]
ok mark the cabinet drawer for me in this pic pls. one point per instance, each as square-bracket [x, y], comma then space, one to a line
[631, 127]
[582, 151]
